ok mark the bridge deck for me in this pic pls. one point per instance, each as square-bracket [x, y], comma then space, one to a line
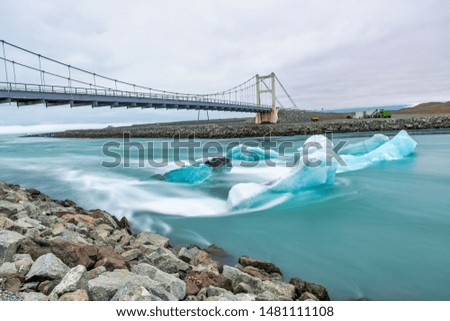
[96, 98]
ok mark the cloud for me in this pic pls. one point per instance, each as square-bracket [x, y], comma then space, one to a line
[327, 53]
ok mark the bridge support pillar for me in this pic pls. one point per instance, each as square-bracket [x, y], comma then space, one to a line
[268, 117]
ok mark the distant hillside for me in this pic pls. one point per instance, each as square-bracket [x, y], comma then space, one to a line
[427, 108]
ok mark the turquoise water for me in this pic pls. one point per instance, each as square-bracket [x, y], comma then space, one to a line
[382, 232]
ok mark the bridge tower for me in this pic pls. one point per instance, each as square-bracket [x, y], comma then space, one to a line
[268, 117]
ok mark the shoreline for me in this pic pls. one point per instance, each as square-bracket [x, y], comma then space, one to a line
[242, 129]
[55, 250]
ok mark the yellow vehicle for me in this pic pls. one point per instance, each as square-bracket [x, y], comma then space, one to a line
[315, 118]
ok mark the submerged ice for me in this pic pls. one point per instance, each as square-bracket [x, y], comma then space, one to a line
[312, 169]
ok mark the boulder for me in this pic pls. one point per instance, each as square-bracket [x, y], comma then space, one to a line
[8, 269]
[284, 292]
[197, 280]
[33, 296]
[78, 295]
[306, 296]
[245, 297]
[236, 276]
[6, 223]
[23, 263]
[134, 292]
[302, 286]
[78, 218]
[213, 291]
[169, 282]
[92, 274]
[47, 286]
[9, 243]
[188, 255]
[11, 284]
[266, 296]
[71, 254]
[166, 261]
[259, 264]
[75, 279]
[152, 239]
[47, 267]
[107, 284]
[111, 260]
[131, 255]
[215, 250]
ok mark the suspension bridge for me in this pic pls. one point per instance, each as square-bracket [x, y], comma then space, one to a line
[31, 79]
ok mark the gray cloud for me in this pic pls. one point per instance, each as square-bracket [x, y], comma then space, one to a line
[328, 53]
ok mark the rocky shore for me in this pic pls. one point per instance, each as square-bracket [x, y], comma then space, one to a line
[55, 250]
[290, 123]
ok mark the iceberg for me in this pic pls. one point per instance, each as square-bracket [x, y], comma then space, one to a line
[364, 146]
[189, 174]
[399, 147]
[251, 153]
[312, 169]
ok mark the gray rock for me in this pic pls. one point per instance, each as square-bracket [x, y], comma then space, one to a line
[213, 291]
[302, 286]
[29, 286]
[107, 284]
[166, 261]
[134, 292]
[6, 223]
[236, 276]
[245, 288]
[245, 297]
[27, 223]
[9, 242]
[18, 257]
[153, 239]
[10, 208]
[33, 296]
[188, 255]
[75, 279]
[78, 295]
[7, 269]
[284, 292]
[308, 297]
[171, 283]
[94, 273]
[47, 267]
[266, 296]
[23, 263]
[131, 255]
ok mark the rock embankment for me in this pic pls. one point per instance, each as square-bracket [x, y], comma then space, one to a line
[55, 250]
[290, 124]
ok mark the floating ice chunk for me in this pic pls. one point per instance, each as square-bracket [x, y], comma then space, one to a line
[316, 142]
[365, 146]
[251, 153]
[189, 174]
[311, 170]
[401, 146]
[244, 195]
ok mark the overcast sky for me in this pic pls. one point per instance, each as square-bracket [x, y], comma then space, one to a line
[328, 54]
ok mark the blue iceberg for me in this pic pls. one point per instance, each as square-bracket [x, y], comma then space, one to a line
[364, 146]
[251, 153]
[306, 176]
[189, 174]
[399, 147]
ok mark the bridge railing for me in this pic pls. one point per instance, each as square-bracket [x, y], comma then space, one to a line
[110, 92]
